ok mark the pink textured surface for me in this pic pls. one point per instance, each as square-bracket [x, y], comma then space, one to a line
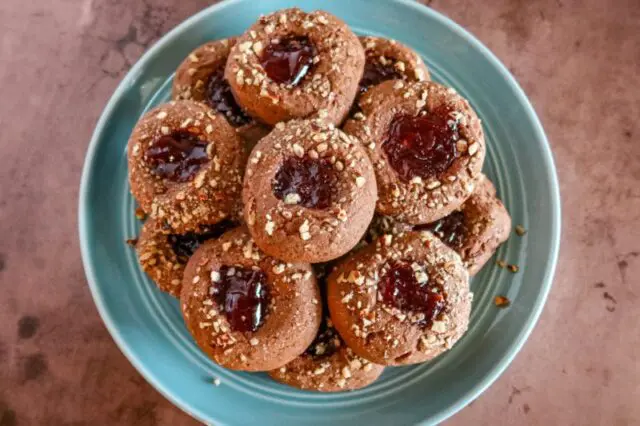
[577, 60]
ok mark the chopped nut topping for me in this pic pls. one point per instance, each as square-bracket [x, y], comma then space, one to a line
[269, 227]
[298, 150]
[292, 198]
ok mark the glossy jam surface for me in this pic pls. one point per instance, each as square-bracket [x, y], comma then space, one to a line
[421, 146]
[452, 229]
[244, 295]
[289, 61]
[220, 98]
[400, 289]
[376, 73]
[177, 156]
[313, 180]
[185, 244]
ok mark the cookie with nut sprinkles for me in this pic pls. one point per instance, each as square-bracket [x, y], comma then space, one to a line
[247, 310]
[309, 192]
[292, 64]
[402, 300]
[426, 144]
[185, 165]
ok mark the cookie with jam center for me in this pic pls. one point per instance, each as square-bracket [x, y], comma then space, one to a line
[163, 256]
[292, 64]
[185, 165]
[401, 300]
[247, 310]
[476, 230]
[309, 192]
[200, 77]
[387, 59]
[427, 147]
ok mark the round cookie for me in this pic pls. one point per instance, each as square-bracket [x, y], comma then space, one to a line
[388, 59]
[403, 300]
[427, 147]
[328, 365]
[185, 165]
[309, 192]
[163, 256]
[246, 310]
[477, 229]
[200, 77]
[292, 64]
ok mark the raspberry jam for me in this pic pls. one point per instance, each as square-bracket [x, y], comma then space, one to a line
[452, 229]
[177, 156]
[309, 182]
[219, 97]
[422, 146]
[375, 73]
[185, 244]
[400, 289]
[243, 295]
[288, 61]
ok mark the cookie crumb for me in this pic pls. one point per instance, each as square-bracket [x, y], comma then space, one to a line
[501, 263]
[502, 301]
[140, 214]
[216, 381]
[520, 231]
[132, 242]
[513, 268]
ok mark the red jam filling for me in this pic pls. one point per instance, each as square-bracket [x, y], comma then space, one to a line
[400, 289]
[309, 182]
[375, 73]
[244, 295]
[177, 156]
[451, 230]
[289, 61]
[220, 98]
[422, 146]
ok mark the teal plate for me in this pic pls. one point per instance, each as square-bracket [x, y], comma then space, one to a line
[146, 324]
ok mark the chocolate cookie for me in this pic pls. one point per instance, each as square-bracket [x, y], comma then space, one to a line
[200, 77]
[477, 229]
[164, 256]
[246, 310]
[185, 165]
[328, 365]
[388, 59]
[293, 64]
[427, 147]
[402, 300]
[309, 192]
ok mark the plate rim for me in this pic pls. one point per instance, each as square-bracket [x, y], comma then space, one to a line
[553, 189]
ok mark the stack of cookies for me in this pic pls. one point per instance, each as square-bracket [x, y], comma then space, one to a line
[315, 202]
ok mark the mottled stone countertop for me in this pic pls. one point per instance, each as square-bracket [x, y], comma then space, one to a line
[579, 61]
